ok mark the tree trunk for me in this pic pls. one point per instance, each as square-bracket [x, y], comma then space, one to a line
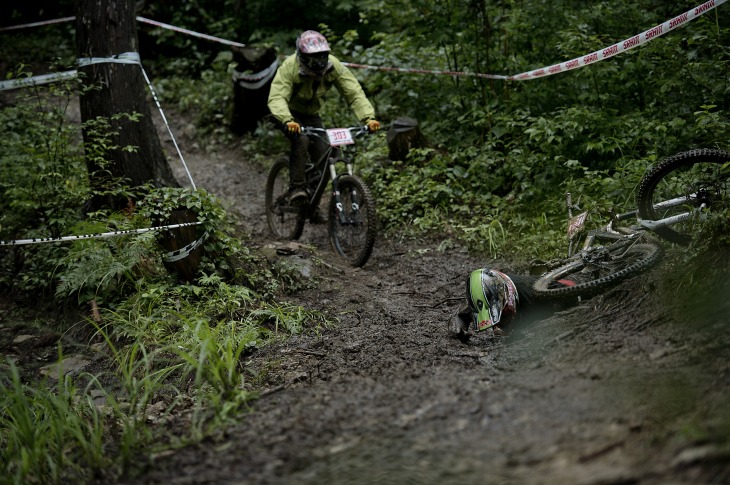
[105, 28]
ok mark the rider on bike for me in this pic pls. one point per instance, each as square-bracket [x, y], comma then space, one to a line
[492, 301]
[296, 97]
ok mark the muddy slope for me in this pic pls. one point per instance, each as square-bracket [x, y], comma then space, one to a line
[629, 387]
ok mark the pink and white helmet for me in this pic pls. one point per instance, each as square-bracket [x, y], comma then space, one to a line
[312, 42]
[313, 52]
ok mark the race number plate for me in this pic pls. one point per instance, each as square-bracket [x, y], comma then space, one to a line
[340, 136]
[575, 225]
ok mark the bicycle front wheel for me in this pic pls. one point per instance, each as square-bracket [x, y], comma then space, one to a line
[593, 270]
[285, 221]
[679, 185]
[352, 220]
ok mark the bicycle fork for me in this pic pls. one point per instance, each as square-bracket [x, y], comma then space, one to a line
[354, 198]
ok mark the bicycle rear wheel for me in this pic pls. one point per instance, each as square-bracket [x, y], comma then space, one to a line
[285, 221]
[591, 271]
[353, 224]
[691, 179]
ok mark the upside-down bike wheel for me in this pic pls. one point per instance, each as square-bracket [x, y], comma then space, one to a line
[692, 179]
[595, 269]
[285, 221]
[353, 224]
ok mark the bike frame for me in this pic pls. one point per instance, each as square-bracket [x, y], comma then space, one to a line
[577, 223]
[327, 163]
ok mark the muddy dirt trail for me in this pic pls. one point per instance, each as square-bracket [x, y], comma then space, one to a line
[629, 387]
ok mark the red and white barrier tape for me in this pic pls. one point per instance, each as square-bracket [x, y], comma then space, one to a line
[38, 24]
[622, 46]
[189, 32]
[581, 61]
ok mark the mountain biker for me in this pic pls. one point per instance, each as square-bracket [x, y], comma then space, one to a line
[493, 299]
[296, 97]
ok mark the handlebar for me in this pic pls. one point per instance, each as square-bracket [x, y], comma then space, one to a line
[355, 130]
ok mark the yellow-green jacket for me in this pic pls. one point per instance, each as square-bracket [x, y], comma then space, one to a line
[291, 90]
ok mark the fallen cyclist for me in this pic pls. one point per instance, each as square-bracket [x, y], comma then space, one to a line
[496, 300]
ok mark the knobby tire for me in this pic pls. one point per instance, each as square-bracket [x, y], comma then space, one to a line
[285, 222]
[596, 269]
[703, 172]
[354, 239]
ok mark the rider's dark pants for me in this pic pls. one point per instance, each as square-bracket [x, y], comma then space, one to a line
[302, 148]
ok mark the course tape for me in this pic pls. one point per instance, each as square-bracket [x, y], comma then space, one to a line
[38, 24]
[622, 46]
[101, 235]
[37, 80]
[139, 19]
[182, 253]
[124, 58]
[581, 61]
[256, 80]
[189, 32]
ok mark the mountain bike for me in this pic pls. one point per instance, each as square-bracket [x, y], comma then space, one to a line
[671, 199]
[352, 219]
[677, 188]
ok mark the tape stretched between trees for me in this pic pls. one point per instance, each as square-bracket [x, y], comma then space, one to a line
[169, 257]
[581, 61]
[124, 58]
[182, 253]
[101, 235]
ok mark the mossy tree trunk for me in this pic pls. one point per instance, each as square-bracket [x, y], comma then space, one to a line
[105, 28]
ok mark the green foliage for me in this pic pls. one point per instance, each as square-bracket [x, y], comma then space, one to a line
[521, 145]
[221, 249]
[44, 181]
[105, 270]
[207, 98]
[48, 435]
[43, 171]
[503, 154]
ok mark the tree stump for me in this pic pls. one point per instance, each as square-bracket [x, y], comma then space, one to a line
[251, 84]
[403, 135]
[176, 239]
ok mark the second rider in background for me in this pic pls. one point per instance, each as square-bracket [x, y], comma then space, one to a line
[296, 97]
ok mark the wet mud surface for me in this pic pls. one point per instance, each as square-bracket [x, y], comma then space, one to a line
[628, 387]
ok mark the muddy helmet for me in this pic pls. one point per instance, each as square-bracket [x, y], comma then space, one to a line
[490, 293]
[313, 51]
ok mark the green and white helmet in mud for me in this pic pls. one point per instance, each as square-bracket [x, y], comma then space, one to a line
[491, 296]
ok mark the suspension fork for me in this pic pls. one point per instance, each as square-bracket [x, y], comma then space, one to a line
[336, 191]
